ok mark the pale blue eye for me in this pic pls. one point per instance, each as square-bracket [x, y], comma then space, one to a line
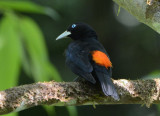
[74, 25]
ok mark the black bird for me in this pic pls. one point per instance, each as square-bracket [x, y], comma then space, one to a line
[87, 58]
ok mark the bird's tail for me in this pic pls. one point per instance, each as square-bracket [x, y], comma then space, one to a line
[107, 85]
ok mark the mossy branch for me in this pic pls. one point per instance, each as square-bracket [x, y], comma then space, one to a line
[77, 93]
[146, 11]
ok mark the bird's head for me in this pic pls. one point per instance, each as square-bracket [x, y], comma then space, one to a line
[78, 31]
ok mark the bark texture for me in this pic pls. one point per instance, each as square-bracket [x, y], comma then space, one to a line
[78, 93]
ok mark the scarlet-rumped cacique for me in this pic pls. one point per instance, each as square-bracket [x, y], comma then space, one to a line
[87, 58]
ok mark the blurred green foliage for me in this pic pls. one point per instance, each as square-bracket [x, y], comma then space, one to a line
[35, 60]
[9, 51]
[152, 75]
[27, 7]
[134, 51]
[22, 45]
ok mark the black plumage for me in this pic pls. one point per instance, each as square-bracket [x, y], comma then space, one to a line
[79, 57]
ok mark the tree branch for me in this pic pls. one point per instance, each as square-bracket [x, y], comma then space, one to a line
[78, 93]
[146, 11]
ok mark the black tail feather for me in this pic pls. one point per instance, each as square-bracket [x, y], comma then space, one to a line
[107, 85]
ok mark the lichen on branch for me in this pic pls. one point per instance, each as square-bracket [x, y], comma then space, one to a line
[77, 93]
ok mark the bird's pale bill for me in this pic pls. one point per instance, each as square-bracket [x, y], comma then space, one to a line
[63, 35]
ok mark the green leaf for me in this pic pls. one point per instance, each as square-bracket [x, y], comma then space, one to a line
[9, 51]
[154, 74]
[119, 9]
[72, 110]
[37, 63]
[11, 114]
[158, 106]
[28, 7]
[50, 110]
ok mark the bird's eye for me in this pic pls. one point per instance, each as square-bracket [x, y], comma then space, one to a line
[74, 25]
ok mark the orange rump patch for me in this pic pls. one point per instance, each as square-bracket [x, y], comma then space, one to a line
[101, 58]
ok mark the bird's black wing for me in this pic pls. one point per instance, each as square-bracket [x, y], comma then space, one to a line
[77, 59]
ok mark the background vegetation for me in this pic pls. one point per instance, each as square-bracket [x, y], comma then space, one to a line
[29, 52]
